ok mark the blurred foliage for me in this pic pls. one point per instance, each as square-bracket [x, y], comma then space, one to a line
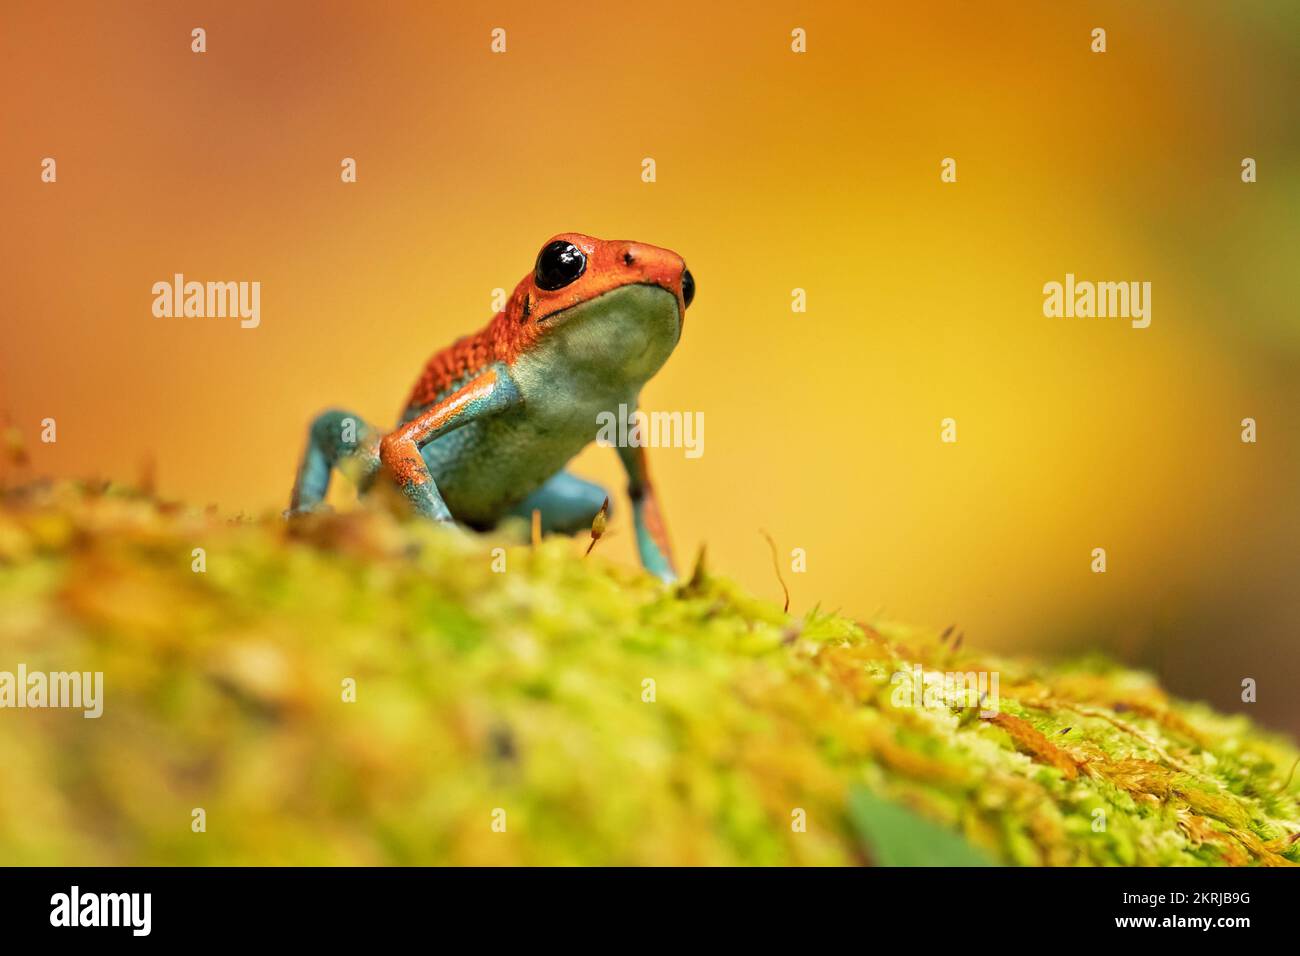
[524, 690]
[899, 837]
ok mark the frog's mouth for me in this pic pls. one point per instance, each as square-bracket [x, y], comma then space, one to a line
[599, 302]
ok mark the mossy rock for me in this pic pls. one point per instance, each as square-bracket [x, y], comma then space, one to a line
[600, 716]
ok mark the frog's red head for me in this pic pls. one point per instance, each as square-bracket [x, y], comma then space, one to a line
[579, 277]
[573, 269]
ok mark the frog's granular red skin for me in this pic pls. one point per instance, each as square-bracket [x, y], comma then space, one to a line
[500, 341]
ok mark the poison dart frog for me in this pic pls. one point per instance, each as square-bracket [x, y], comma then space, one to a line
[495, 417]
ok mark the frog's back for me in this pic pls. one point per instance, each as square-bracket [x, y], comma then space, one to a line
[453, 367]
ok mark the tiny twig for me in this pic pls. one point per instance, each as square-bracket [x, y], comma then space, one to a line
[776, 566]
[1133, 731]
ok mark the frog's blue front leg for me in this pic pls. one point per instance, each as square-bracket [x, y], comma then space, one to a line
[651, 535]
[335, 439]
[488, 393]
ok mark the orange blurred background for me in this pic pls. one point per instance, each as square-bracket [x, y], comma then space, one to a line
[776, 170]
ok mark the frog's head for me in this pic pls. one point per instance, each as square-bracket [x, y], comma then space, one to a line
[608, 305]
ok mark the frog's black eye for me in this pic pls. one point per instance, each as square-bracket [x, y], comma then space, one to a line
[688, 286]
[558, 264]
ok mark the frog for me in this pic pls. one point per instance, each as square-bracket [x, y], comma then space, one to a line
[493, 421]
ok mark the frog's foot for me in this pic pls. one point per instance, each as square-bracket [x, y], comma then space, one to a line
[336, 439]
[568, 504]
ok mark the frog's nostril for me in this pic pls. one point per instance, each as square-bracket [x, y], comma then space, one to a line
[688, 286]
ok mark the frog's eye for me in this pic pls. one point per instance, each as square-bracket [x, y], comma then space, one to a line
[558, 264]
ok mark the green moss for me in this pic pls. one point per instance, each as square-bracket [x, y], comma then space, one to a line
[523, 690]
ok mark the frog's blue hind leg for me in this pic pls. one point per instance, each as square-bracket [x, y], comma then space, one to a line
[335, 439]
[568, 503]
[651, 535]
